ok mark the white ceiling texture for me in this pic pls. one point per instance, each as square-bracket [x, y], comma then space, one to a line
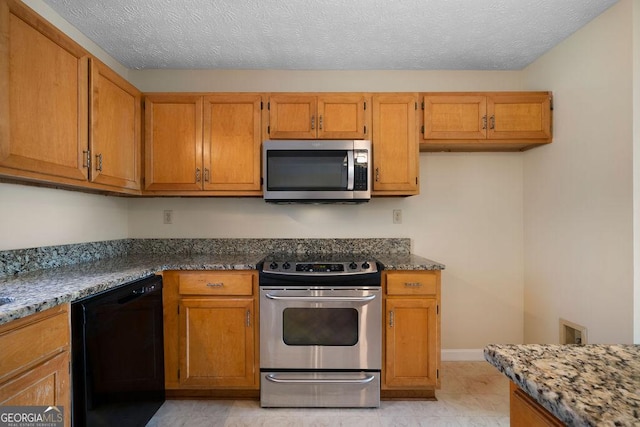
[328, 34]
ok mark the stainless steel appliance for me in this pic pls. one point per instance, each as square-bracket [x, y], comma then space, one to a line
[320, 332]
[117, 355]
[317, 171]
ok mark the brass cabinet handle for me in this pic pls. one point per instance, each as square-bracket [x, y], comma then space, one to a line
[248, 318]
[391, 319]
[320, 123]
[206, 174]
[313, 122]
[493, 122]
[377, 174]
[413, 284]
[197, 174]
[86, 159]
[215, 285]
[99, 161]
[484, 122]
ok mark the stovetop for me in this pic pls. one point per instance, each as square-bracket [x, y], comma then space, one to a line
[319, 264]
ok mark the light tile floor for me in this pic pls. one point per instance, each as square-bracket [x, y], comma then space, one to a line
[472, 394]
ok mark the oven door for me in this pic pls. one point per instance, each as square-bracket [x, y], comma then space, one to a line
[316, 328]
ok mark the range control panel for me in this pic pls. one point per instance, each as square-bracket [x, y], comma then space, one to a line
[320, 268]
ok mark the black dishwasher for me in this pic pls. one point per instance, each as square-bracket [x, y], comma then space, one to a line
[117, 355]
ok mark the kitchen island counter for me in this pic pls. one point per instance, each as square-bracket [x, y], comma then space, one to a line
[581, 385]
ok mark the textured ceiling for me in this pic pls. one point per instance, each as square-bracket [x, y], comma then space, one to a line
[328, 34]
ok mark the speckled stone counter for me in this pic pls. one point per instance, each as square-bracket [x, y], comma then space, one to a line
[40, 278]
[42, 289]
[407, 262]
[586, 385]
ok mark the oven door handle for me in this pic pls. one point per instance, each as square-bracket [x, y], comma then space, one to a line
[274, 379]
[321, 299]
[350, 170]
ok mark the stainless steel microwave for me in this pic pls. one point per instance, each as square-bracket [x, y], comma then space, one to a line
[317, 171]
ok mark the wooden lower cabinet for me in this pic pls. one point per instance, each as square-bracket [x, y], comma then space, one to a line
[411, 356]
[524, 411]
[34, 362]
[211, 335]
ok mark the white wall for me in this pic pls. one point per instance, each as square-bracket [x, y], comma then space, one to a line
[32, 217]
[636, 170]
[578, 195]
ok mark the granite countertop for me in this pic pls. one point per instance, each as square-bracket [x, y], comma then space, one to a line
[582, 385]
[41, 289]
[407, 262]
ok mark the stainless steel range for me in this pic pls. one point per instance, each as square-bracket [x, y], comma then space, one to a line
[320, 332]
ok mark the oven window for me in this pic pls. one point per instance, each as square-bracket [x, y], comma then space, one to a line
[320, 326]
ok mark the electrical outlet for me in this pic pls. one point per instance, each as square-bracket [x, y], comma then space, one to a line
[397, 216]
[167, 217]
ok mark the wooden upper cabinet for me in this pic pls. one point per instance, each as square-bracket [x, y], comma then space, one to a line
[342, 116]
[455, 117]
[196, 143]
[43, 107]
[173, 142]
[519, 116]
[395, 144]
[232, 141]
[292, 117]
[115, 137]
[326, 116]
[491, 121]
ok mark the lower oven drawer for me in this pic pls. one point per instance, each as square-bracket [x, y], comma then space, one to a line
[320, 389]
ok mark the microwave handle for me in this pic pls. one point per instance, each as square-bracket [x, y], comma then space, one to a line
[350, 169]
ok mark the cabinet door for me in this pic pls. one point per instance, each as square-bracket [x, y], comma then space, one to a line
[173, 142]
[292, 117]
[46, 384]
[455, 117]
[519, 116]
[524, 411]
[217, 342]
[115, 129]
[232, 138]
[44, 103]
[411, 342]
[341, 117]
[395, 144]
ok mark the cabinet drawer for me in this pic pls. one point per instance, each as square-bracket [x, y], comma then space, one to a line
[218, 283]
[412, 283]
[28, 341]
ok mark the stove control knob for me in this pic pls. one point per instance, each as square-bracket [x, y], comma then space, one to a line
[353, 266]
[286, 266]
[273, 265]
[365, 265]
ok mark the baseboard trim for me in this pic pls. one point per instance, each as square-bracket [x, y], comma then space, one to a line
[459, 355]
